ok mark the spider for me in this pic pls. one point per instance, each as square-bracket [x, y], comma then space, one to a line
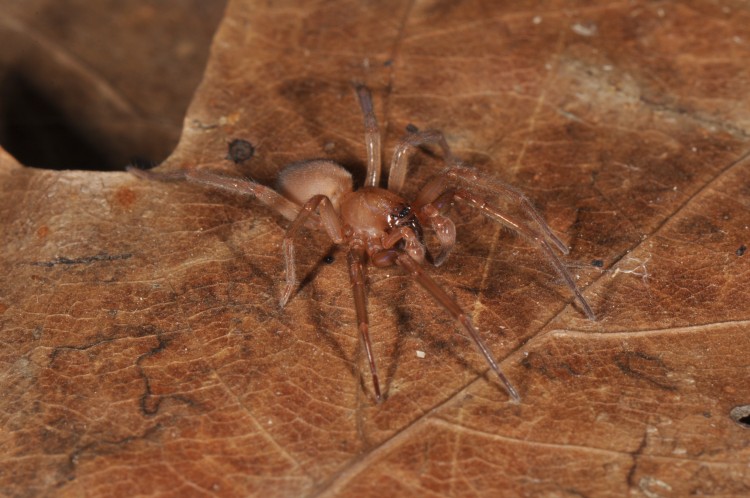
[378, 226]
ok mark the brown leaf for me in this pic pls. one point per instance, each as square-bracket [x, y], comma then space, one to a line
[145, 352]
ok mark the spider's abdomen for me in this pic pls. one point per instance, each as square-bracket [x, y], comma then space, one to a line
[299, 182]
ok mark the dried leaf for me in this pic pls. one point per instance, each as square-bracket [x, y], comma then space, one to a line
[145, 352]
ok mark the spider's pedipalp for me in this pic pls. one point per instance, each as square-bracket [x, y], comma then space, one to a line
[444, 229]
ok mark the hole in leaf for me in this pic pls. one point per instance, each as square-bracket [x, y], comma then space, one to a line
[741, 415]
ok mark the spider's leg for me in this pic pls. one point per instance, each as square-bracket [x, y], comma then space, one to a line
[470, 179]
[372, 137]
[400, 161]
[267, 196]
[356, 258]
[331, 224]
[415, 271]
[534, 235]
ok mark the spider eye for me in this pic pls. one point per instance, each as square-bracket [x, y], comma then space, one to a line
[404, 212]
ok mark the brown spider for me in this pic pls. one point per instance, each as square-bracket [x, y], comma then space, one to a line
[378, 225]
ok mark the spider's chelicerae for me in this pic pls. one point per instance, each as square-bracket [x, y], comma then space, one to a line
[378, 226]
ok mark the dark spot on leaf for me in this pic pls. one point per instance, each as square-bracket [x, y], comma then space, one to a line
[240, 151]
[441, 345]
[553, 368]
[85, 260]
[534, 361]
[700, 228]
[642, 366]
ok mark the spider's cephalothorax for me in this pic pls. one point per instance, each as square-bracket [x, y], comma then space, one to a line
[378, 226]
